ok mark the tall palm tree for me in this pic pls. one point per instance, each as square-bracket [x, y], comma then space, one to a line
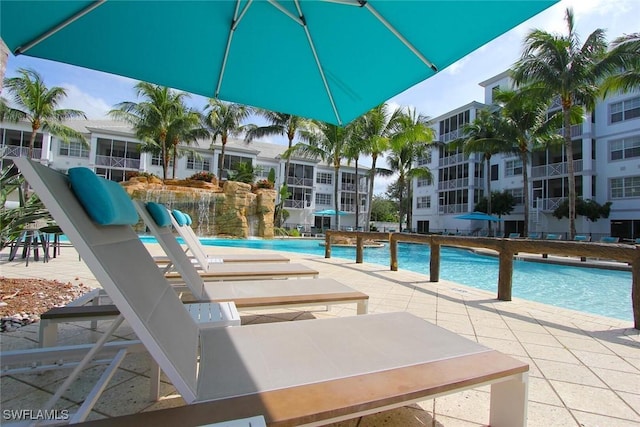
[356, 146]
[410, 141]
[37, 104]
[524, 127]
[560, 67]
[327, 142]
[153, 116]
[225, 119]
[378, 125]
[186, 128]
[480, 136]
[624, 59]
[279, 124]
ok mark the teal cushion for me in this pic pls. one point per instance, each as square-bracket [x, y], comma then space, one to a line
[159, 214]
[188, 217]
[179, 216]
[105, 201]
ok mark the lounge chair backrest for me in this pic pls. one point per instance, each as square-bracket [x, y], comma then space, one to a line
[534, 235]
[610, 239]
[551, 236]
[582, 238]
[170, 245]
[191, 240]
[124, 268]
[514, 235]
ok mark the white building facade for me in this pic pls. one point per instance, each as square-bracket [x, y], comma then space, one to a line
[606, 150]
[114, 152]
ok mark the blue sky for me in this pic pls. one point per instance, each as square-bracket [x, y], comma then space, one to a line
[95, 93]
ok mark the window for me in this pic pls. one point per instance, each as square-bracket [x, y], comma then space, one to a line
[424, 202]
[423, 182]
[199, 164]
[425, 160]
[230, 163]
[626, 148]
[324, 199]
[624, 110]
[74, 149]
[494, 172]
[513, 167]
[518, 195]
[624, 188]
[156, 160]
[324, 178]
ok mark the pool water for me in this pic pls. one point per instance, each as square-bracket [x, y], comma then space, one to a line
[597, 291]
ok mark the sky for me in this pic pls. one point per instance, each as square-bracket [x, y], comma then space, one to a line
[95, 92]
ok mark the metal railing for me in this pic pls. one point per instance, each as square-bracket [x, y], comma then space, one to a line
[118, 162]
[452, 160]
[453, 209]
[17, 151]
[555, 169]
[300, 182]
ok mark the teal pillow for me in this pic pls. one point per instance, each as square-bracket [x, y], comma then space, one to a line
[105, 201]
[179, 216]
[159, 214]
[188, 217]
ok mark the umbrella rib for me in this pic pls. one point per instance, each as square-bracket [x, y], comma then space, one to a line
[319, 65]
[42, 37]
[232, 29]
[400, 37]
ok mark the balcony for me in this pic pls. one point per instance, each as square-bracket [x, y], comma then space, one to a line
[300, 182]
[446, 137]
[296, 204]
[352, 188]
[453, 184]
[453, 209]
[576, 130]
[547, 205]
[452, 160]
[118, 162]
[17, 151]
[555, 169]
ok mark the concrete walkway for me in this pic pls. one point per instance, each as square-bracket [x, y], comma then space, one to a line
[584, 369]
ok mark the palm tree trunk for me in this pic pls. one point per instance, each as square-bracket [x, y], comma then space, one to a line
[357, 197]
[32, 140]
[488, 168]
[374, 158]
[287, 164]
[165, 159]
[335, 195]
[175, 160]
[570, 170]
[401, 196]
[525, 192]
[224, 145]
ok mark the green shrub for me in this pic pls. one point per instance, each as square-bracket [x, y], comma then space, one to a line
[203, 176]
[294, 233]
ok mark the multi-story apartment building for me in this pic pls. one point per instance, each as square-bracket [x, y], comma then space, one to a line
[113, 151]
[606, 150]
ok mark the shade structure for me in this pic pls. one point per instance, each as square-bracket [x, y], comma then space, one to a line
[478, 216]
[330, 212]
[331, 60]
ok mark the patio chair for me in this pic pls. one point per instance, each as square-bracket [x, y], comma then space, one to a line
[351, 365]
[533, 235]
[514, 235]
[581, 238]
[182, 224]
[609, 239]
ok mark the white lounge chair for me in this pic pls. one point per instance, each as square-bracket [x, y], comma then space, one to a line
[308, 372]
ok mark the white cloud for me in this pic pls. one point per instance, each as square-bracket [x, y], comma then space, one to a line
[94, 108]
[457, 67]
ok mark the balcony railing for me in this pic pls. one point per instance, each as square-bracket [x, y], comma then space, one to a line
[17, 151]
[300, 182]
[452, 184]
[296, 204]
[452, 160]
[453, 209]
[576, 130]
[446, 137]
[554, 169]
[118, 162]
[547, 205]
[352, 187]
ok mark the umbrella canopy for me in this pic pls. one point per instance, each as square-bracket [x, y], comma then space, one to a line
[478, 216]
[331, 60]
[330, 212]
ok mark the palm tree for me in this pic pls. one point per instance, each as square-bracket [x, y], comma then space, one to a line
[378, 125]
[410, 141]
[624, 59]
[523, 127]
[559, 67]
[356, 145]
[329, 143]
[481, 137]
[185, 128]
[279, 124]
[225, 119]
[153, 117]
[38, 104]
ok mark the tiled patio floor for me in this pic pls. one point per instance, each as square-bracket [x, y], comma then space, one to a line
[584, 369]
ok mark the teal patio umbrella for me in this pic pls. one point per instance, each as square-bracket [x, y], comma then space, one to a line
[331, 60]
[478, 216]
[330, 212]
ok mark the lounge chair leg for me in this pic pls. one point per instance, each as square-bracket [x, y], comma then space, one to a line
[509, 402]
[363, 307]
[154, 376]
[48, 333]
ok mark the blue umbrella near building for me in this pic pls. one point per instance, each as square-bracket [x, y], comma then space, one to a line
[342, 57]
[478, 216]
[330, 212]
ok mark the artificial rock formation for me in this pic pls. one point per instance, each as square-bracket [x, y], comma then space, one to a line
[234, 210]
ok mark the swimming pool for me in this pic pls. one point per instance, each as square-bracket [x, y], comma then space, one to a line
[597, 291]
